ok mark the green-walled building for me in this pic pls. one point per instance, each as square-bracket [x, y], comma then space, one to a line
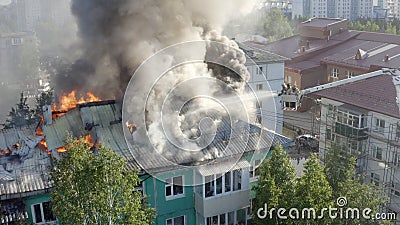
[184, 192]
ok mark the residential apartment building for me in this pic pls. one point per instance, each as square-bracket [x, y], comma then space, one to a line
[11, 50]
[266, 74]
[347, 9]
[363, 118]
[325, 51]
[182, 192]
[392, 7]
[24, 178]
[30, 13]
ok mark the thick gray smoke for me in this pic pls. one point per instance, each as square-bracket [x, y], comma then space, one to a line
[118, 35]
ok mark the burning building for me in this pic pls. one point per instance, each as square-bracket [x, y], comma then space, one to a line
[24, 176]
[168, 184]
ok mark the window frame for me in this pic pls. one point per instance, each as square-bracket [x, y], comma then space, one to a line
[173, 220]
[380, 125]
[334, 72]
[172, 186]
[349, 74]
[42, 213]
[375, 178]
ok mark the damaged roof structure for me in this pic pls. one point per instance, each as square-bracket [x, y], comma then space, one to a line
[24, 171]
[103, 122]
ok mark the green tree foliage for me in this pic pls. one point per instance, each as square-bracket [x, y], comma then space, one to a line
[314, 191]
[44, 98]
[94, 187]
[273, 25]
[21, 115]
[276, 26]
[318, 188]
[341, 174]
[276, 185]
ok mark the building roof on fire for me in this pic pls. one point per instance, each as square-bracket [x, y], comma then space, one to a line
[260, 56]
[23, 165]
[103, 122]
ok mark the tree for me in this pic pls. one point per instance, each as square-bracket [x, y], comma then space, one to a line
[21, 115]
[94, 187]
[276, 26]
[276, 184]
[314, 191]
[320, 187]
[340, 171]
[44, 98]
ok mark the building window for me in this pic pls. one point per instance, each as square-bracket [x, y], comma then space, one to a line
[375, 178]
[379, 125]
[209, 186]
[176, 221]
[42, 213]
[228, 181]
[260, 70]
[259, 87]
[377, 152]
[174, 187]
[221, 183]
[396, 189]
[334, 72]
[350, 119]
[398, 131]
[328, 134]
[254, 168]
[16, 41]
[349, 74]
[237, 179]
[236, 217]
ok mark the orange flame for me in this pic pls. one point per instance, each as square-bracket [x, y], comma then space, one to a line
[61, 150]
[70, 101]
[88, 139]
[39, 130]
[43, 146]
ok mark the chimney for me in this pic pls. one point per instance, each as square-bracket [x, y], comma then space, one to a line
[308, 44]
[47, 114]
[302, 49]
[386, 59]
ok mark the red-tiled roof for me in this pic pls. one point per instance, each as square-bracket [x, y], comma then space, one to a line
[377, 94]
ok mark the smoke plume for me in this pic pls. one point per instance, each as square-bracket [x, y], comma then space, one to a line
[118, 35]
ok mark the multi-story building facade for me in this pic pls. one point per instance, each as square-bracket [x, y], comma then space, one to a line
[347, 9]
[266, 74]
[215, 193]
[392, 7]
[363, 118]
[30, 13]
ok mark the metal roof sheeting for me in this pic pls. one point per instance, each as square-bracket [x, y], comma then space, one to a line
[222, 167]
[57, 133]
[27, 168]
[112, 137]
